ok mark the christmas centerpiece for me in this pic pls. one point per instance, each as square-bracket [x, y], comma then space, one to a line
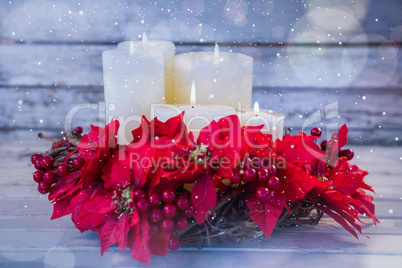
[173, 180]
[164, 189]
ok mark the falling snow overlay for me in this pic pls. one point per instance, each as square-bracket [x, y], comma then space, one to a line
[320, 63]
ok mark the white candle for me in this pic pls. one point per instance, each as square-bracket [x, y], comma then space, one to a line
[153, 47]
[223, 77]
[272, 121]
[196, 116]
[132, 82]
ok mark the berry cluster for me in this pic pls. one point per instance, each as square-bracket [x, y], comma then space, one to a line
[166, 212]
[169, 212]
[261, 170]
[48, 171]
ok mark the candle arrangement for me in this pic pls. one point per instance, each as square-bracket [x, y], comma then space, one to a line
[175, 166]
[146, 78]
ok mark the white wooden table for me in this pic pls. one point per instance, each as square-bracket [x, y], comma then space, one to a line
[29, 239]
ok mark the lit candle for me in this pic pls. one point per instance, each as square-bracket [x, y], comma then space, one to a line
[132, 82]
[196, 116]
[272, 121]
[223, 77]
[152, 47]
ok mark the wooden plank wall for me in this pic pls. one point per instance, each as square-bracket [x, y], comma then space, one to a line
[341, 58]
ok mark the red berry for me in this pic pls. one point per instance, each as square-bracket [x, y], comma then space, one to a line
[265, 162]
[237, 177]
[78, 130]
[156, 215]
[334, 136]
[168, 196]
[189, 212]
[78, 162]
[44, 187]
[263, 194]
[154, 200]
[252, 155]
[167, 225]
[272, 170]
[182, 202]
[154, 228]
[47, 162]
[324, 145]
[63, 169]
[38, 176]
[255, 162]
[174, 243]
[170, 210]
[50, 176]
[139, 194]
[246, 163]
[263, 175]
[250, 174]
[142, 205]
[331, 143]
[348, 153]
[35, 157]
[181, 223]
[38, 165]
[274, 184]
[316, 132]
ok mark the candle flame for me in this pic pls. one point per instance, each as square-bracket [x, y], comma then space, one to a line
[131, 51]
[256, 108]
[216, 54]
[192, 97]
[144, 39]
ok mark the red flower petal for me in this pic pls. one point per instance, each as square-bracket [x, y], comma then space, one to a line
[138, 242]
[62, 207]
[115, 230]
[65, 186]
[342, 136]
[203, 198]
[297, 183]
[265, 215]
[366, 207]
[116, 174]
[159, 243]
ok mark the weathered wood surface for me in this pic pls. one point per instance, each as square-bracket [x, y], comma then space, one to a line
[373, 115]
[199, 21]
[39, 84]
[29, 238]
[276, 66]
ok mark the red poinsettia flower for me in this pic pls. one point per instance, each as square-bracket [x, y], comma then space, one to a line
[96, 148]
[222, 140]
[298, 149]
[347, 198]
[162, 134]
[288, 156]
